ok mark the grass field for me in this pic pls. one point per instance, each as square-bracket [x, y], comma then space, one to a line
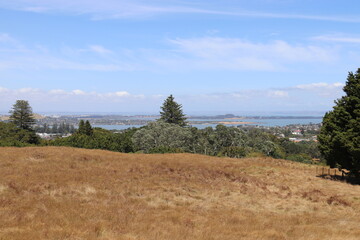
[68, 193]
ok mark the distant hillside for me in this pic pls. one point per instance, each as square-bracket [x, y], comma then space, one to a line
[68, 193]
[6, 117]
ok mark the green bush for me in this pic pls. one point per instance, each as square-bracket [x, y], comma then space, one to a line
[233, 152]
[160, 134]
[13, 136]
[165, 149]
[255, 155]
[302, 157]
[99, 139]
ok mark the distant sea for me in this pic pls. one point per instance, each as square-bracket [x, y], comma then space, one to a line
[261, 122]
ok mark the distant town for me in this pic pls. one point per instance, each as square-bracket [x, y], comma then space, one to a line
[53, 126]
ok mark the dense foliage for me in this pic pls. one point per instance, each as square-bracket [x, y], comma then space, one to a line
[62, 128]
[85, 128]
[167, 135]
[98, 139]
[22, 115]
[18, 132]
[172, 112]
[340, 134]
[12, 135]
[161, 137]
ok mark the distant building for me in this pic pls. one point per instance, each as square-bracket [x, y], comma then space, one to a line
[50, 136]
[296, 132]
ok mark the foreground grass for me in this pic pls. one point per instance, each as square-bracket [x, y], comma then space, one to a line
[68, 193]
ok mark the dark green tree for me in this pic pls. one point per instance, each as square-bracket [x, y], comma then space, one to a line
[72, 129]
[339, 136]
[55, 128]
[172, 112]
[81, 129]
[85, 128]
[22, 115]
[12, 135]
[88, 129]
[45, 128]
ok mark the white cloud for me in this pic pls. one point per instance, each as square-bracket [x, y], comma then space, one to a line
[313, 96]
[278, 94]
[210, 53]
[37, 61]
[337, 39]
[99, 49]
[239, 54]
[9, 44]
[4, 37]
[158, 96]
[78, 92]
[17, 56]
[57, 100]
[38, 58]
[116, 94]
[131, 8]
[61, 92]
[323, 90]
[57, 91]
[36, 9]
[122, 94]
[238, 95]
[28, 90]
[209, 47]
[326, 90]
[321, 85]
[4, 90]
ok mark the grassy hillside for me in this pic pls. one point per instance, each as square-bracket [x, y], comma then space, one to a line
[67, 193]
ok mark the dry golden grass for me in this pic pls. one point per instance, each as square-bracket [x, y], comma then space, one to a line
[68, 193]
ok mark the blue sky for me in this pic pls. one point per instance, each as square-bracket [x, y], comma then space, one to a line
[213, 56]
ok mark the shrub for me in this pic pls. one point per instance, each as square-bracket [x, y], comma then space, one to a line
[11, 135]
[100, 139]
[302, 157]
[233, 152]
[161, 134]
[255, 155]
[165, 149]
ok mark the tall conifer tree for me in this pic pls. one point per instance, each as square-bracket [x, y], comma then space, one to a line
[22, 115]
[88, 129]
[172, 112]
[339, 136]
[85, 128]
[81, 128]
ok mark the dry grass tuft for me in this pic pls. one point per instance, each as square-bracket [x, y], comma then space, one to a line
[68, 193]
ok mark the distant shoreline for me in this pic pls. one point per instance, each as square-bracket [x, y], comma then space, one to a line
[235, 118]
[233, 123]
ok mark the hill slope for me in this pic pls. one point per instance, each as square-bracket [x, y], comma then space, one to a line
[68, 193]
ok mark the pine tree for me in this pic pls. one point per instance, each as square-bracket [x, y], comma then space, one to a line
[55, 128]
[339, 136]
[81, 129]
[85, 128]
[45, 128]
[72, 129]
[67, 128]
[88, 129]
[22, 115]
[172, 112]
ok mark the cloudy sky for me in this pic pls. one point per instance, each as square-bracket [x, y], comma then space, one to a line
[213, 56]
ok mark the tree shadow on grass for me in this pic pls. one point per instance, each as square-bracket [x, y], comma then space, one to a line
[345, 178]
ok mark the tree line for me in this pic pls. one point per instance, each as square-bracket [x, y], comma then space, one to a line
[169, 134]
[339, 138]
[62, 128]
